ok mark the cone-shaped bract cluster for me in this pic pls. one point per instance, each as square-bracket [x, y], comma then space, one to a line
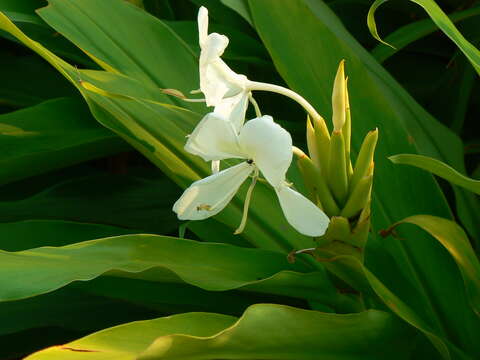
[342, 190]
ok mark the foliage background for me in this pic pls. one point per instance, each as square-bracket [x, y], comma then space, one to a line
[66, 179]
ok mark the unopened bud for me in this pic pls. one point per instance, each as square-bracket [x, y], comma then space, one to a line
[337, 169]
[359, 197]
[365, 159]
[316, 184]
[339, 98]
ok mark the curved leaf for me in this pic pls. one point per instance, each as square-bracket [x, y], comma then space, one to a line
[412, 32]
[263, 332]
[214, 267]
[441, 20]
[438, 168]
[125, 342]
[454, 239]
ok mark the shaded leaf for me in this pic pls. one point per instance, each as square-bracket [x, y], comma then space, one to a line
[49, 136]
[128, 201]
[441, 20]
[409, 33]
[454, 239]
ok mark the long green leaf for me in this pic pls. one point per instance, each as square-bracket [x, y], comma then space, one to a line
[438, 168]
[441, 20]
[412, 32]
[139, 54]
[263, 332]
[214, 267]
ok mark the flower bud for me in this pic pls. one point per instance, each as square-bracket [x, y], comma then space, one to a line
[339, 98]
[365, 159]
[337, 168]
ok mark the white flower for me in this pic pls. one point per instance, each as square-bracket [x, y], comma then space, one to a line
[223, 88]
[266, 147]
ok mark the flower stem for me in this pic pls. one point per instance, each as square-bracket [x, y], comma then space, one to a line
[260, 86]
[246, 204]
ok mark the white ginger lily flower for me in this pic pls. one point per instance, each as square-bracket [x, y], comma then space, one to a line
[223, 88]
[267, 148]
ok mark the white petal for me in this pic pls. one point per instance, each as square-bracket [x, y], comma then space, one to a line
[207, 197]
[233, 109]
[202, 25]
[301, 213]
[270, 147]
[214, 138]
[217, 80]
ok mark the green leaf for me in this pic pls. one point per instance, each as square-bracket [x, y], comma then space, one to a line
[377, 100]
[441, 20]
[454, 239]
[438, 168]
[24, 235]
[66, 135]
[214, 267]
[27, 81]
[126, 342]
[359, 277]
[139, 54]
[412, 32]
[286, 333]
[241, 7]
[127, 201]
[173, 298]
[68, 309]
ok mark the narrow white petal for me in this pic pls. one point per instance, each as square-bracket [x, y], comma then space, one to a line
[208, 196]
[270, 147]
[202, 25]
[233, 109]
[214, 138]
[301, 213]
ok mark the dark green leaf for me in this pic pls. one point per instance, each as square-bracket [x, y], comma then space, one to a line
[50, 136]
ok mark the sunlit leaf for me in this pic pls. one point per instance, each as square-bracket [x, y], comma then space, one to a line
[438, 168]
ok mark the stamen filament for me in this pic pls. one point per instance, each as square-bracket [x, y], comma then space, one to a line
[193, 100]
[246, 204]
[258, 113]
